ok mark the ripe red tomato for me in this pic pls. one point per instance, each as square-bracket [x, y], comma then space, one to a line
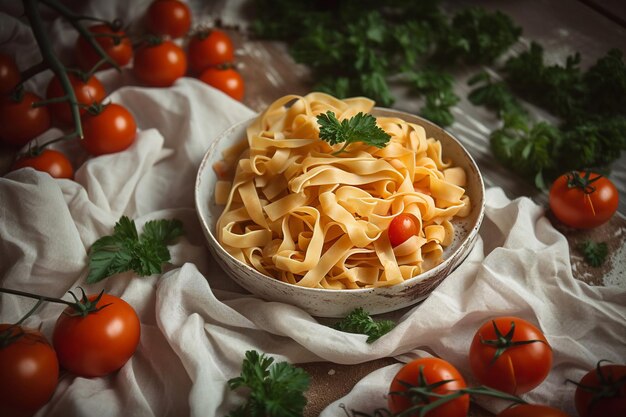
[53, 162]
[209, 48]
[118, 47]
[87, 92]
[160, 65]
[602, 392]
[29, 372]
[433, 370]
[401, 228]
[9, 74]
[583, 200]
[112, 130]
[521, 365]
[99, 343]
[20, 121]
[532, 410]
[169, 17]
[227, 80]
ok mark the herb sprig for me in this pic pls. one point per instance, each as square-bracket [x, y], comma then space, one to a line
[358, 48]
[276, 389]
[125, 250]
[359, 128]
[359, 321]
[594, 253]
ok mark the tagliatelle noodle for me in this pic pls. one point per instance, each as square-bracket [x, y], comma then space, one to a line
[296, 212]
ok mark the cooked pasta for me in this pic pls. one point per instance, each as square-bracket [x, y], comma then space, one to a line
[297, 212]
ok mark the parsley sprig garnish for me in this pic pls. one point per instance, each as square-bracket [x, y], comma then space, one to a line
[276, 389]
[359, 321]
[359, 128]
[594, 253]
[125, 250]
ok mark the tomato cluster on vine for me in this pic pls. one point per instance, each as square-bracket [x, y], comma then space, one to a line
[93, 337]
[509, 356]
[168, 50]
[208, 53]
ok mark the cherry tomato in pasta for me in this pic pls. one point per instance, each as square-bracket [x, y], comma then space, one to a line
[401, 228]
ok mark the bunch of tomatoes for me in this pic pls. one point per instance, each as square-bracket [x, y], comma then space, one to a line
[156, 61]
[93, 337]
[509, 356]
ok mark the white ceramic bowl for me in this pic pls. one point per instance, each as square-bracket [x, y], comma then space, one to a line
[338, 303]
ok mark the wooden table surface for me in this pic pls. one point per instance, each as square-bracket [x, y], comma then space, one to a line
[562, 27]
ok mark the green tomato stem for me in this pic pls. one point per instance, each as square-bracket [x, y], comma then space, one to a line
[36, 296]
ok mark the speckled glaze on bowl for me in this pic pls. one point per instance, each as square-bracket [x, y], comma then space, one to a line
[338, 303]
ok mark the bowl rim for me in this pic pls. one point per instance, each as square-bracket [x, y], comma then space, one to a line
[473, 229]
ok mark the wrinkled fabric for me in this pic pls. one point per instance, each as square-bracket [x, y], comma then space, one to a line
[196, 324]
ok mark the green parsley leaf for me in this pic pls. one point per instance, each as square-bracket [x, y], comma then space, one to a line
[594, 253]
[437, 108]
[477, 36]
[359, 321]
[526, 149]
[125, 250]
[495, 96]
[276, 389]
[360, 128]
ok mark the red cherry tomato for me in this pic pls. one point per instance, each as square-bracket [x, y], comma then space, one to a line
[209, 49]
[112, 130]
[583, 200]
[433, 370]
[521, 366]
[532, 410]
[29, 372]
[169, 17]
[602, 392]
[160, 65]
[53, 162]
[118, 47]
[87, 92]
[20, 121]
[401, 228]
[227, 80]
[100, 342]
[9, 74]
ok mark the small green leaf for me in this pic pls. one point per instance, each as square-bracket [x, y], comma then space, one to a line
[126, 251]
[276, 389]
[360, 128]
[162, 230]
[594, 253]
[359, 321]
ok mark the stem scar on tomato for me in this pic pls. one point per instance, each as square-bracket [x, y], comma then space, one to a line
[504, 342]
[84, 306]
[606, 387]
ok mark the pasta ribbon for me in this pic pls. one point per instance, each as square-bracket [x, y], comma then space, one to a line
[296, 212]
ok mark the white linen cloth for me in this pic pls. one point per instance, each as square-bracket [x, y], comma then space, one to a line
[197, 324]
